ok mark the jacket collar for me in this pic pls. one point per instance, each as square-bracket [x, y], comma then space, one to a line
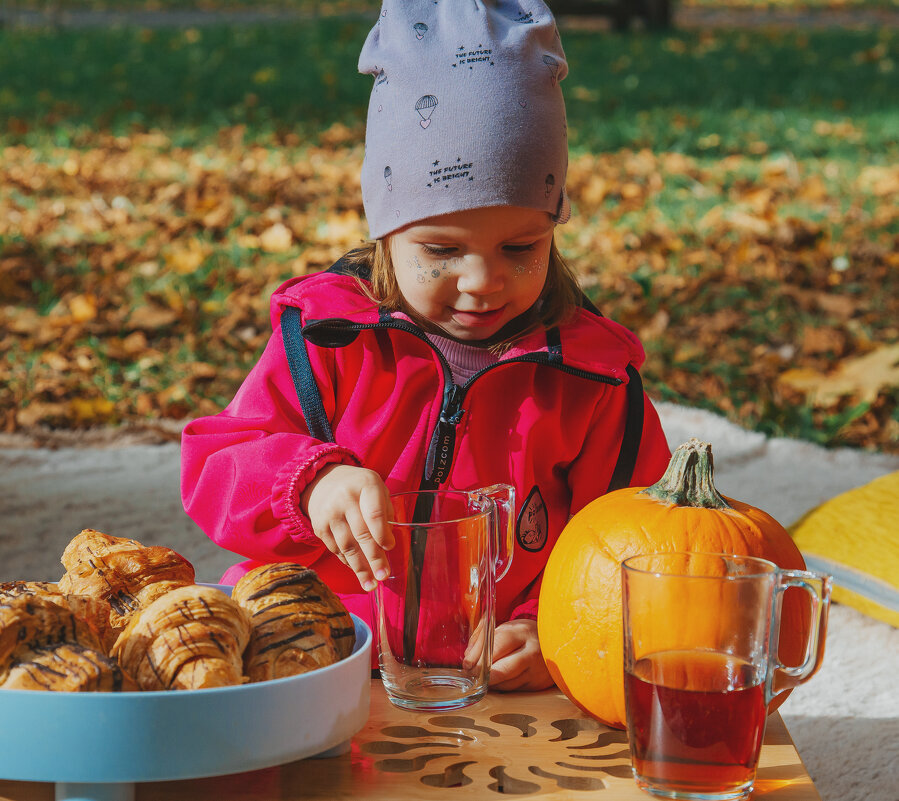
[335, 299]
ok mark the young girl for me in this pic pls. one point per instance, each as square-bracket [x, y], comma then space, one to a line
[454, 351]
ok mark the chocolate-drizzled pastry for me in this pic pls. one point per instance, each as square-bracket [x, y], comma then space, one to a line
[191, 637]
[94, 610]
[299, 624]
[12, 589]
[46, 646]
[127, 574]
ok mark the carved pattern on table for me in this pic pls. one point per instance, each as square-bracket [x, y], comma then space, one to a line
[453, 751]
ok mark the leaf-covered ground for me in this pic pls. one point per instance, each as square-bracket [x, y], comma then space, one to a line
[736, 203]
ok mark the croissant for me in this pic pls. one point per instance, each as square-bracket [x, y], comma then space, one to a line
[298, 623]
[126, 574]
[94, 610]
[191, 637]
[46, 646]
[13, 589]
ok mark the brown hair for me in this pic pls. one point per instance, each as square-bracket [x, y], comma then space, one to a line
[560, 297]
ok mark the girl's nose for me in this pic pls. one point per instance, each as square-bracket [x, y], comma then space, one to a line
[478, 276]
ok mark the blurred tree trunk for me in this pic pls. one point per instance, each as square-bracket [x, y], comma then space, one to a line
[656, 14]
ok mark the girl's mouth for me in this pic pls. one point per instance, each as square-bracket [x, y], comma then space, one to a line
[470, 319]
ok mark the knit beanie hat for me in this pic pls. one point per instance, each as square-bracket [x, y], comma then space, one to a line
[466, 110]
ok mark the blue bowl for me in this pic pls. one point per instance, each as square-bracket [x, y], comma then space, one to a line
[181, 734]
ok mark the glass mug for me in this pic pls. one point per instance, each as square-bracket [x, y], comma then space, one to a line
[434, 614]
[700, 666]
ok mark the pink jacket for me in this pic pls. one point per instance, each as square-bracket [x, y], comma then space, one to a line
[548, 419]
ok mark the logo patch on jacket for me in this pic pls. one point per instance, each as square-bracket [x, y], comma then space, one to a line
[533, 523]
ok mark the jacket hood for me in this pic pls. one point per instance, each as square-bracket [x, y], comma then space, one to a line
[333, 303]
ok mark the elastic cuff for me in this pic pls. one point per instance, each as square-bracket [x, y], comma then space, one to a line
[526, 610]
[293, 479]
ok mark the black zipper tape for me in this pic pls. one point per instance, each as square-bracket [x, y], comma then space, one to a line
[439, 458]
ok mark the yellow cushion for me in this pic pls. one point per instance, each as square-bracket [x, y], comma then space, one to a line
[855, 538]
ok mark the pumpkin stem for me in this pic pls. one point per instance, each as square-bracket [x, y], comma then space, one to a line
[688, 479]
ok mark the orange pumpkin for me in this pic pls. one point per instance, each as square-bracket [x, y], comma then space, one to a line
[579, 618]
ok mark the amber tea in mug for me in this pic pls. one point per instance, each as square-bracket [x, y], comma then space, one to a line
[700, 651]
[704, 731]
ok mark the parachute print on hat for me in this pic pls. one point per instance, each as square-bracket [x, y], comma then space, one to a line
[553, 66]
[466, 111]
[425, 106]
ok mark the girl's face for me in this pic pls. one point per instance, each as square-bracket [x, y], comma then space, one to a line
[471, 272]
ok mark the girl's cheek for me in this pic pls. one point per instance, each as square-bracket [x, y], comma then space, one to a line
[417, 269]
[531, 267]
[435, 271]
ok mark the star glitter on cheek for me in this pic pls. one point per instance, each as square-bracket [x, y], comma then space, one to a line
[532, 268]
[425, 273]
[444, 270]
[418, 268]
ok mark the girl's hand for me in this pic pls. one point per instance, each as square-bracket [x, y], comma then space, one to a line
[349, 508]
[517, 661]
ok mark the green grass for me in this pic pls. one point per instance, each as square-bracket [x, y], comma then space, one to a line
[699, 94]
[713, 94]
[191, 83]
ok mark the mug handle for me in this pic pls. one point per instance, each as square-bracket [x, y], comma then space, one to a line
[503, 497]
[818, 586]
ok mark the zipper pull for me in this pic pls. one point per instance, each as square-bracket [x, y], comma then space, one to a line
[452, 410]
[443, 443]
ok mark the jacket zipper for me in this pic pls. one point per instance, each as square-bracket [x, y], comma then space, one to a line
[438, 460]
[443, 441]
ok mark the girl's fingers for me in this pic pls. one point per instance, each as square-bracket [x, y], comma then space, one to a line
[330, 543]
[353, 553]
[351, 520]
[508, 674]
[376, 509]
[475, 650]
[508, 640]
[327, 539]
[376, 558]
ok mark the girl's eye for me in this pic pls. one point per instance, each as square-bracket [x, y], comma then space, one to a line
[520, 248]
[436, 250]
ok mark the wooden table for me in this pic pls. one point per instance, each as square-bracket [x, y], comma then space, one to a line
[536, 745]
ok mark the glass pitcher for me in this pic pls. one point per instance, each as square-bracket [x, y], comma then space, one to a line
[434, 614]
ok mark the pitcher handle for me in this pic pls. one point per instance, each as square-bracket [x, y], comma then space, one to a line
[503, 496]
[818, 586]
